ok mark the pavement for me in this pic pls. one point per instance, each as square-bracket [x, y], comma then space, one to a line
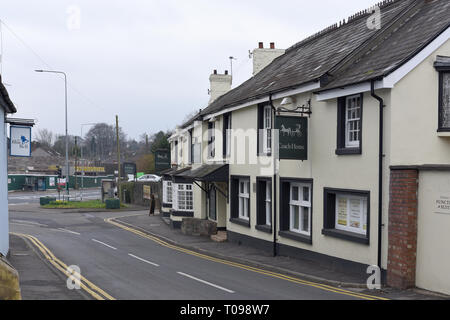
[148, 260]
[37, 278]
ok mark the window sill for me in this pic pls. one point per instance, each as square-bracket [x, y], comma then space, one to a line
[185, 214]
[264, 228]
[296, 237]
[444, 133]
[241, 222]
[345, 235]
[348, 151]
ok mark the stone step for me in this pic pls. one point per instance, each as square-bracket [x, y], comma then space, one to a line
[221, 236]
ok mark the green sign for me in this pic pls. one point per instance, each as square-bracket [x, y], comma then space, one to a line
[162, 160]
[293, 137]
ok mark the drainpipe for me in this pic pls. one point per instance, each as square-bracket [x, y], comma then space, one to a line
[380, 173]
[275, 154]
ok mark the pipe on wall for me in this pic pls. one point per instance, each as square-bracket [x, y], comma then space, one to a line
[380, 172]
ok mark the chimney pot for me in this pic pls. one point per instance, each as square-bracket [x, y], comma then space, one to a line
[215, 71]
[226, 72]
[272, 45]
[261, 45]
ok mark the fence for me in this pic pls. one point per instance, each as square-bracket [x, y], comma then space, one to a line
[134, 193]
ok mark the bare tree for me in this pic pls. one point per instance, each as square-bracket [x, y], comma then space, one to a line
[45, 137]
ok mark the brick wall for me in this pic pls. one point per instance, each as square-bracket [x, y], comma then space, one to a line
[402, 251]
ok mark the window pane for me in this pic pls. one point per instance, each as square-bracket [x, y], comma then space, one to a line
[306, 194]
[305, 219]
[294, 196]
[296, 220]
[445, 107]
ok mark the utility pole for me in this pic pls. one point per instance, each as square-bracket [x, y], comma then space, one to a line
[118, 159]
[76, 163]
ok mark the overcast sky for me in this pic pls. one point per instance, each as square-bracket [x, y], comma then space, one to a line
[147, 61]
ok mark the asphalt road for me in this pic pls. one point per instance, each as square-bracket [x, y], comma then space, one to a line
[127, 266]
[20, 198]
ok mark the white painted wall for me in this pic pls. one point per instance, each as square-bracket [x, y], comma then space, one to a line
[357, 172]
[415, 140]
[4, 224]
[433, 236]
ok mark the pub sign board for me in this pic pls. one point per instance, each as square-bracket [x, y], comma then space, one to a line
[162, 160]
[20, 141]
[293, 137]
[129, 168]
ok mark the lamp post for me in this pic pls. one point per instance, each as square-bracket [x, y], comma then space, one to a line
[67, 136]
[82, 173]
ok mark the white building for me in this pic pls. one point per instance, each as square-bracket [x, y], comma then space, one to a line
[364, 171]
[6, 107]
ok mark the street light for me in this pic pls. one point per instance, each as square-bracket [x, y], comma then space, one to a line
[82, 173]
[67, 136]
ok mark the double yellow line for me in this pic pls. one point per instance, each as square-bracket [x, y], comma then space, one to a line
[88, 286]
[325, 287]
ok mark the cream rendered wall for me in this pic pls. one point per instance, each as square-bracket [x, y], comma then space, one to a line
[415, 140]
[433, 242]
[357, 172]
[199, 195]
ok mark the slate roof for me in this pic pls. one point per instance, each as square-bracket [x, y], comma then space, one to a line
[5, 101]
[208, 172]
[327, 56]
[422, 27]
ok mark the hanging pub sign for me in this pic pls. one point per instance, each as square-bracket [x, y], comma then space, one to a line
[293, 137]
[20, 141]
[162, 160]
[129, 168]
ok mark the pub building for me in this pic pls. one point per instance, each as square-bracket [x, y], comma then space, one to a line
[342, 159]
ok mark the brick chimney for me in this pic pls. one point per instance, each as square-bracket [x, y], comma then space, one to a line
[220, 84]
[262, 57]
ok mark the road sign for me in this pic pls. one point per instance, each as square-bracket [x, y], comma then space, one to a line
[20, 141]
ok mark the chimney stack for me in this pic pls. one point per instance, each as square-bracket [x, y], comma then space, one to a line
[263, 57]
[220, 84]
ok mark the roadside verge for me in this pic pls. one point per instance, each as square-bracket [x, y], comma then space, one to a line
[9, 281]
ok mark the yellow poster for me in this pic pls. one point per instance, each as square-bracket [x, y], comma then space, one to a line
[342, 211]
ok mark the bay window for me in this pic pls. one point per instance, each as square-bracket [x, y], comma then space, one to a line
[167, 192]
[183, 197]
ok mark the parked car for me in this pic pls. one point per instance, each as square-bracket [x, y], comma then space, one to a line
[149, 178]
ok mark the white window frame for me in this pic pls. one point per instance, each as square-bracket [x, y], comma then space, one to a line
[267, 129]
[300, 203]
[363, 203]
[228, 136]
[268, 202]
[167, 192]
[183, 197]
[212, 141]
[351, 108]
[244, 199]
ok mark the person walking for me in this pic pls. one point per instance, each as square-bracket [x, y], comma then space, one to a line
[152, 205]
